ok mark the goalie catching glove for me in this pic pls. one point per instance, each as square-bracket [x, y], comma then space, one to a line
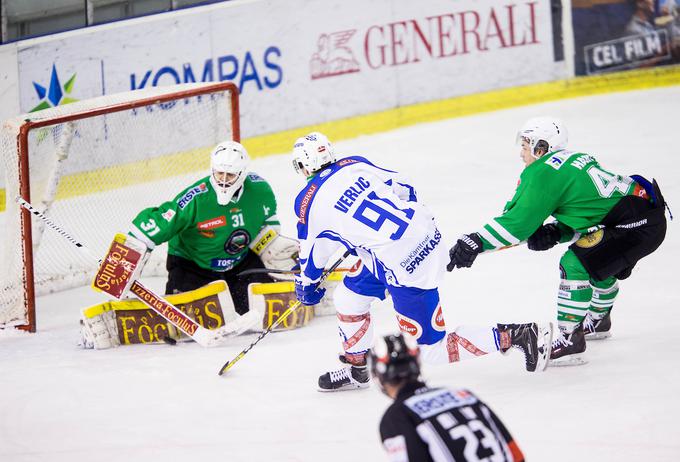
[276, 251]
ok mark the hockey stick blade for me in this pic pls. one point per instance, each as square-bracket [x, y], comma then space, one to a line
[229, 364]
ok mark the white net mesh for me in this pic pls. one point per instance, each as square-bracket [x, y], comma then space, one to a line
[92, 176]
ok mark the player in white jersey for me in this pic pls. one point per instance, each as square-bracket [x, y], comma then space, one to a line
[351, 204]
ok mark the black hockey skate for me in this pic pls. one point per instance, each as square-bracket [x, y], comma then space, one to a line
[533, 341]
[346, 378]
[567, 348]
[597, 329]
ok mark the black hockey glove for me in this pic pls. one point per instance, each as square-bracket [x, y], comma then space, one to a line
[545, 237]
[465, 251]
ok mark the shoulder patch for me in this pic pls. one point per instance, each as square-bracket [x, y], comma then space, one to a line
[558, 159]
[255, 177]
[190, 194]
[168, 214]
[347, 161]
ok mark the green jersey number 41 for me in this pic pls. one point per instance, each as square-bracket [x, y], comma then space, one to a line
[606, 183]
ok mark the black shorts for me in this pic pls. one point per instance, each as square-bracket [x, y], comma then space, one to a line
[185, 275]
[633, 228]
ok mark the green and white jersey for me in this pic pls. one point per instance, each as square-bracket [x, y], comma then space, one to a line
[570, 186]
[215, 237]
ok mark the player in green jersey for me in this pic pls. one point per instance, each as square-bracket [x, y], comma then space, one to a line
[613, 221]
[219, 226]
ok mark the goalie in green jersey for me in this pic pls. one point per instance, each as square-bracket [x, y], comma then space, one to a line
[219, 226]
[613, 221]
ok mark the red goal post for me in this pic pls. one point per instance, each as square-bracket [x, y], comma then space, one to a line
[92, 165]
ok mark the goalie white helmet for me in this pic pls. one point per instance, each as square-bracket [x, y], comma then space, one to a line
[312, 153]
[229, 163]
[543, 133]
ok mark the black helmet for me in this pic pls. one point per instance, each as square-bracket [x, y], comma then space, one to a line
[395, 358]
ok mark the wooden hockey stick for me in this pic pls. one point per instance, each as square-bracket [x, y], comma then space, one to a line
[202, 336]
[229, 364]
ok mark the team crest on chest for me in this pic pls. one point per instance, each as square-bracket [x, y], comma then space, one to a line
[236, 242]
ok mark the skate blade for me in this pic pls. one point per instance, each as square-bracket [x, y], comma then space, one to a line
[544, 347]
[359, 386]
[598, 336]
[567, 361]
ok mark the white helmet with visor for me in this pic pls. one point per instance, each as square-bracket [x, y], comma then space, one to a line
[229, 163]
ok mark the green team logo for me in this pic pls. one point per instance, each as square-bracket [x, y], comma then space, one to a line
[236, 242]
[55, 94]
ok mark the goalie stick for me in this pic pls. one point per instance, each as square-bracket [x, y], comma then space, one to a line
[277, 271]
[250, 271]
[202, 336]
[229, 364]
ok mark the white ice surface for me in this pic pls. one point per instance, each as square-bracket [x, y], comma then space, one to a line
[59, 403]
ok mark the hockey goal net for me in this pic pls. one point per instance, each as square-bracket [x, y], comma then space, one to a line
[91, 166]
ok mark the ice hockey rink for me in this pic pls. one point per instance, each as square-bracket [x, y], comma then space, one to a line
[161, 402]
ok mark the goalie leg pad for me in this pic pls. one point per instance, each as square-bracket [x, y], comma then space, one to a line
[99, 332]
[131, 322]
